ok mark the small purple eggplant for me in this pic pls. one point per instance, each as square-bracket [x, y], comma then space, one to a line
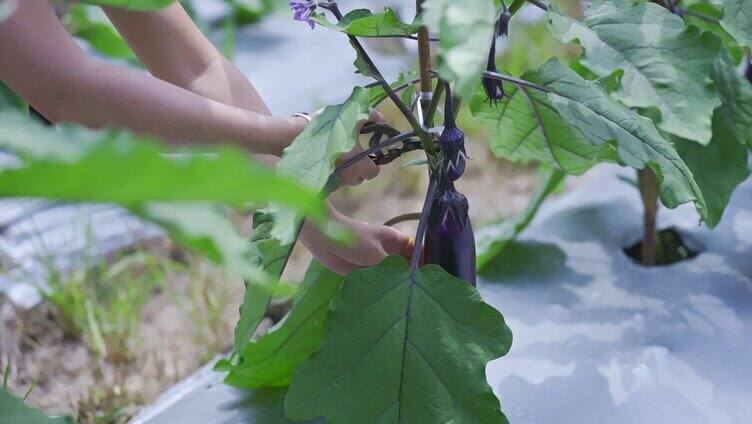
[494, 87]
[450, 242]
[452, 143]
[748, 72]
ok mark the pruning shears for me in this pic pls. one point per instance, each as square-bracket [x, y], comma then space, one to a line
[382, 132]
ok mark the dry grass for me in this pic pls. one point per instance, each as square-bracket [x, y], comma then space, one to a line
[188, 318]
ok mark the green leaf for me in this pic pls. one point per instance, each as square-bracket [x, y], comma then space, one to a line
[364, 23]
[141, 5]
[525, 126]
[105, 166]
[736, 95]
[492, 239]
[311, 158]
[601, 119]
[376, 94]
[271, 256]
[666, 64]
[396, 351]
[99, 33]
[14, 411]
[465, 29]
[361, 64]
[718, 167]
[737, 20]
[721, 166]
[708, 9]
[272, 360]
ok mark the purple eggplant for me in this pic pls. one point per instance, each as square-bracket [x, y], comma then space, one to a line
[450, 242]
[749, 71]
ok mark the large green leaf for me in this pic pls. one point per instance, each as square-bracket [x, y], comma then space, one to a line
[141, 5]
[273, 358]
[492, 239]
[402, 352]
[718, 167]
[14, 411]
[722, 165]
[736, 93]
[364, 23]
[666, 64]
[106, 166]
[311, 158]
[465, 29]
[525, 126]
[601, 119]
[737, 20]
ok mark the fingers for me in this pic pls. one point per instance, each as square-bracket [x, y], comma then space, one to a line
[360, 171]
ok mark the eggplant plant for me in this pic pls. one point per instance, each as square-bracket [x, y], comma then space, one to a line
[657, 88]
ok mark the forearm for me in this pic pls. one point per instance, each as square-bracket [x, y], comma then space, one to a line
[99, 95]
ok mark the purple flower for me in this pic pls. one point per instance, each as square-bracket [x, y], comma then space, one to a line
[302, 10]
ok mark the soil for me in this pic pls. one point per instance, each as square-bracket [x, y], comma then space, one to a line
[672, 247]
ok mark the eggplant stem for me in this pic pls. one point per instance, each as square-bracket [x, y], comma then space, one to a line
[415, 216]
[423, 225]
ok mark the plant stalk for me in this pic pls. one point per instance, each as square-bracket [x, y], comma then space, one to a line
[424, 64]
[649, 193]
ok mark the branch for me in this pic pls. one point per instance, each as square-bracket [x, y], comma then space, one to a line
[415, 216]
[516, 81]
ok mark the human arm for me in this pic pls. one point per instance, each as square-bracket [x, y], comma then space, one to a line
[173, 49]
[42, 63]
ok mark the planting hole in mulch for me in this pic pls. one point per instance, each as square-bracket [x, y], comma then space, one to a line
[672, 247]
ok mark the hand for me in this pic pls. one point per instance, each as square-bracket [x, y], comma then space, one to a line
[364, 169]
[372, 244]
